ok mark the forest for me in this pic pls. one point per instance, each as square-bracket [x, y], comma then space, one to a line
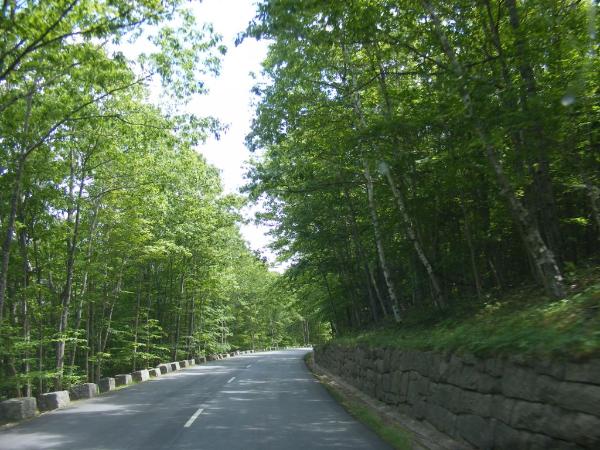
[119, 248]
[423, 159]
[417, 162]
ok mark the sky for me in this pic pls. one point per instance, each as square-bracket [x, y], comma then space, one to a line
[229, 99]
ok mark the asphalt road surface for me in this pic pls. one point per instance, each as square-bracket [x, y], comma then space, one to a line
[251, 402]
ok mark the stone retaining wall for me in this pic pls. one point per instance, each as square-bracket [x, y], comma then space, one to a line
[491, 403]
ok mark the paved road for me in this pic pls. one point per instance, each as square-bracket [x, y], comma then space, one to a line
[251, 402]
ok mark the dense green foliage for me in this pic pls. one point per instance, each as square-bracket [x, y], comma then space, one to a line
[119, 248]
[564, 329]
[418, 159]
[418, 154]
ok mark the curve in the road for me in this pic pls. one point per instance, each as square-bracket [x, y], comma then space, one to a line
[251, 402]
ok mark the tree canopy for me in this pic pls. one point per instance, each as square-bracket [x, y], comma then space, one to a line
[418, 153]
[119, 247]
[411, 156]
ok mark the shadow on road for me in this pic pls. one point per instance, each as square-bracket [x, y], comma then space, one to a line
[259, 401]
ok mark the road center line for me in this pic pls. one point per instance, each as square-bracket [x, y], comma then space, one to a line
[194, 417]
[230, 380]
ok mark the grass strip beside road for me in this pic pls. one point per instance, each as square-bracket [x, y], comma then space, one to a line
[393, 434]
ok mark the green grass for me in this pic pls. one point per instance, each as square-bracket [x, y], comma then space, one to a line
[394, 436]
[397, 437]
[524, 322]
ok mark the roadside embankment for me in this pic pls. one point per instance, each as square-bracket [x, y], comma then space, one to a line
[489, 402]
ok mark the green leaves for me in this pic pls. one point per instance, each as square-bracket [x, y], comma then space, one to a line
[427, 91]
[119, 245]
[184, 54]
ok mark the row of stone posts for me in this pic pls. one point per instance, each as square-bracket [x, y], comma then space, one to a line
[16, 409]
[218, 356]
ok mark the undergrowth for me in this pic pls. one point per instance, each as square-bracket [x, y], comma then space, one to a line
[522, 322]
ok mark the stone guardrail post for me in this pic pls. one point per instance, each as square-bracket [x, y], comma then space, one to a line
[140, 375]
[54, 400]
[106, 384]
[16, 409]
[123, 379]
[164, 368]
[82, 391]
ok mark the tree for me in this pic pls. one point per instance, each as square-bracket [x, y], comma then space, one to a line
[461, 107]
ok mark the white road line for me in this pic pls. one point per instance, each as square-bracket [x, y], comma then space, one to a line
[230, 380]
[248, 366]
[194, 417]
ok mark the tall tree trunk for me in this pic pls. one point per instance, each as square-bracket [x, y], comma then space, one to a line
[138, 296]
[89, 334]
[25, 307]
[178, 319]
[361, 254]
[305, 332]
[379, 244]
[593, 193]
[13, 207]
[92, 342]
[540, 253]
[535, 140]
[201, 342]
[468, 238]
[84, 286]
[103, 340]
[223, 332]
[591, 185]
[98, 343]
[192, 307]
[74, 209]
[438, 296]
[409, 222]
[38, 279]
[376, 288]
[103, 337]
[10, 230]
[529, 142]
[356, 105]
[78, 318]
[148, 312]
[334, 322]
